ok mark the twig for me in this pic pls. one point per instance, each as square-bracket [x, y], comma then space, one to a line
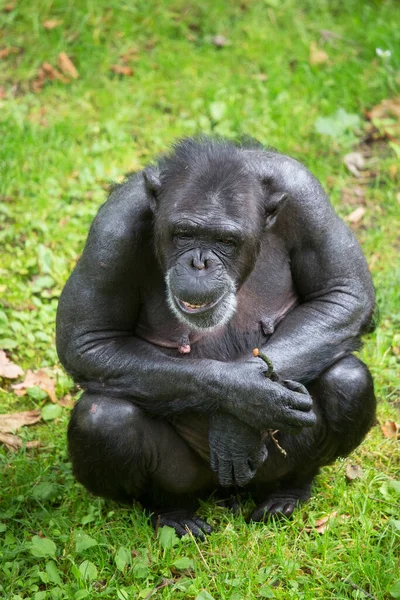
[164, 583]
[277, 444]
[383, 500]
[271, 374]
[360, 589]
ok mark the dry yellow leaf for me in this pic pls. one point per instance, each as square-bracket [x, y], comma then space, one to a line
[67, 66]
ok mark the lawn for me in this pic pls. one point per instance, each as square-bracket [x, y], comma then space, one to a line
[318, 80]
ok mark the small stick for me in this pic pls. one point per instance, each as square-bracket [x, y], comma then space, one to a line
[267, 361]
[360, 589]
[271, 375]
[277, 444]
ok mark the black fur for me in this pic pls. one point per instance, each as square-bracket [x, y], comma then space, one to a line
[213, 250]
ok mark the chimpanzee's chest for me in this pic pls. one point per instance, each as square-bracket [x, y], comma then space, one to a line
[262, 302]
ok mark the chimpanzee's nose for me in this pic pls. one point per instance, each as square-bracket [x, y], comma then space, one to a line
[199, 261]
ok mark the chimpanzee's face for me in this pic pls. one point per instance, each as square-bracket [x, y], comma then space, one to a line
[207, 239]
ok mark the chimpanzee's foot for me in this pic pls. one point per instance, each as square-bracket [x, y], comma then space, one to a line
[183, 521]
[282, 503]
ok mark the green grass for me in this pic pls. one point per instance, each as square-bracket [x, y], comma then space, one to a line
[59, 150]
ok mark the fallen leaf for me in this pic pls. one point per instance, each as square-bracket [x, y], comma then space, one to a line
[220, 41]
[52, 23]
[353, 472]
[8, 7]
[393, 170]
[391, 430]
[11, 422]
[317, 56]
[13, 442]
[67, 401]
[354, 161]
[52, 73]
[387, 108]
[385, 116]
[67, 66]
[2, 92]
[10, 50]
[322, 524]
[38, 379]
[8, 369]
[121, 70]
[356, 216]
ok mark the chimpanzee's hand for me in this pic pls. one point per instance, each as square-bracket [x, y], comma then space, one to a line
[253, 398]
[236, 450]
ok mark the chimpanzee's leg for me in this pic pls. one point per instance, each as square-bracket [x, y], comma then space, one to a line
[120, 453]
[344, 402]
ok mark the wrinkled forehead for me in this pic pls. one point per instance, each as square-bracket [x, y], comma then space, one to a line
[237, 202]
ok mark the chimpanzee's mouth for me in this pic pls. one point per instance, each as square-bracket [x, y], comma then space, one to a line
[190, 308]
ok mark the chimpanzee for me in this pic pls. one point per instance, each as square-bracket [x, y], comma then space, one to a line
[214, 250]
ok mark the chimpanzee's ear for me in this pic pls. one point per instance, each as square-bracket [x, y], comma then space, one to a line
[274, 201]
[153, 185]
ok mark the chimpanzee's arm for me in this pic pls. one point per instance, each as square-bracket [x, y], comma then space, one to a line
[99, 307]
[329, 271]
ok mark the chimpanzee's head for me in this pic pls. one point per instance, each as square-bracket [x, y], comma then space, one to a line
[210, 212]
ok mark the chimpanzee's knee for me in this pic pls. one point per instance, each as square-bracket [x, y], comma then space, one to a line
[105, 446]
[347, 401]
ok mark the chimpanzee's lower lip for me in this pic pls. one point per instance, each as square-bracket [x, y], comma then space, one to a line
[191, 309]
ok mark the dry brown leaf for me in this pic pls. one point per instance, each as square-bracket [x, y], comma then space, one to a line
[2, 92]
[391, 429]
[67, 401]
[121, 70]
[39, 379]
[67, 66]
[355, 162]
[13, 442]
[387, 108]
[11, 422]
[10, 50]
[353, 472]
[52, 23]
[356, 216]
[9, 7]
[317, 56]
[385, 116]
[321, 525]
[52, 73]
[8, 369]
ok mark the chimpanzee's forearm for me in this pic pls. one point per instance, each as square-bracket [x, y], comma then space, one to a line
[316, 334]
[133, 368]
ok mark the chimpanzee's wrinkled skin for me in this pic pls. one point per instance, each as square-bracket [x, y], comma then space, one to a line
[190, 264]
